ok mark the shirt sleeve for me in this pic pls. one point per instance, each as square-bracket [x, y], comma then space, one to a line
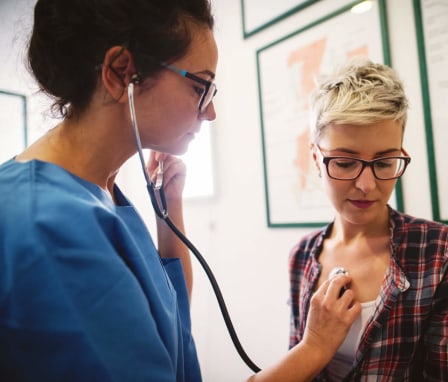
[436, 336]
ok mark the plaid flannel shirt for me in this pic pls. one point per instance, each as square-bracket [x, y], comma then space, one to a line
[407, 336]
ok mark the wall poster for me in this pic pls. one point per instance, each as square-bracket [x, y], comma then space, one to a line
[286, 72]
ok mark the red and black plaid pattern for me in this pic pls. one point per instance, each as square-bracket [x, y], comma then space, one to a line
[407, 337]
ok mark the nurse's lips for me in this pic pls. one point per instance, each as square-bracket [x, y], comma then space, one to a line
[362, 203]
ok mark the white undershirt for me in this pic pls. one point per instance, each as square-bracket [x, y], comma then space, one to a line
[342, 362]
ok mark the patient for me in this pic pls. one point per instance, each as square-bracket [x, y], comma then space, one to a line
[398, 263]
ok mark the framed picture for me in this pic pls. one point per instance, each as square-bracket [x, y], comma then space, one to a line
[260, 14]
[431, 18]
[286, 72]
[13, 124]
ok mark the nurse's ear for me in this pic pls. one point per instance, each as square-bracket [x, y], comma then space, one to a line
[117, 72]
[315, 156]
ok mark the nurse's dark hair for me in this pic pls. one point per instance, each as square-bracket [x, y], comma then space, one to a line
[70, 38]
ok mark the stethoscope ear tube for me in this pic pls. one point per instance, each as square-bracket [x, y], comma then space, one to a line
[162, 212]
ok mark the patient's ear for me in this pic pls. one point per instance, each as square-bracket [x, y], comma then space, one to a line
[117, 71]
[316, 162]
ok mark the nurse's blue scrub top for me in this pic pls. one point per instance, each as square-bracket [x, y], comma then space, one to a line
[84, 295]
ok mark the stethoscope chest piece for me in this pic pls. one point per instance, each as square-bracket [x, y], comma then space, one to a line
[338, 271]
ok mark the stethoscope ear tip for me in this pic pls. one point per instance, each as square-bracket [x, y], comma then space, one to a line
[135, 79]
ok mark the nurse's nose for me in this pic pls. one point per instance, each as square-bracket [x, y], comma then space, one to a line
[209, 114]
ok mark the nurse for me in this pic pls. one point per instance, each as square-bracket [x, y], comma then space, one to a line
[84, 293]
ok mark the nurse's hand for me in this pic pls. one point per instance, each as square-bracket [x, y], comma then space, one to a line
[330, 316]
[329, 320]
[169, 245]
[174, 173]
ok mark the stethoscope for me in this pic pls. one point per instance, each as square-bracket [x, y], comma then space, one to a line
[158, 200]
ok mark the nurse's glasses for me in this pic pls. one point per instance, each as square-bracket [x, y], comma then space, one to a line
[207, 92]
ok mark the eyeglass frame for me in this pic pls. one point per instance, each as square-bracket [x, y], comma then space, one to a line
[208, 84]
[365, 163]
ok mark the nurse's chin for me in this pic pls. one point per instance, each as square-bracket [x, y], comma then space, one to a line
[190, 136]
[184, 146]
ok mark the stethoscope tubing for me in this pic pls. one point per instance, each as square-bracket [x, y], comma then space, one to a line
[162, 212]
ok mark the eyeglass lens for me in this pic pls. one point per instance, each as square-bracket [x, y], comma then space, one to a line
[207, 97]
[351, 168]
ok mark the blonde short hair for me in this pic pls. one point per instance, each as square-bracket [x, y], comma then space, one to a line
[360, 92]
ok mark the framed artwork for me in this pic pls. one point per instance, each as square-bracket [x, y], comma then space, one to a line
[260, 14]
[431, 18]
[286, 70]
[13, 124]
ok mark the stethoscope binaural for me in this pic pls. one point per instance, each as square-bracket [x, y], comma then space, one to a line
[160, 207]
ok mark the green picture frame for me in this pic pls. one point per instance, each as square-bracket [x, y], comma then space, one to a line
[258, 15]
[13, 124]
[286, 68]
[431, 15]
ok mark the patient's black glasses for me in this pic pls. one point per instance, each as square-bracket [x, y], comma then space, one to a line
[349, 168]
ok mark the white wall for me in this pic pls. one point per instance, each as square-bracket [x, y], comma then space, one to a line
[249, 260]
